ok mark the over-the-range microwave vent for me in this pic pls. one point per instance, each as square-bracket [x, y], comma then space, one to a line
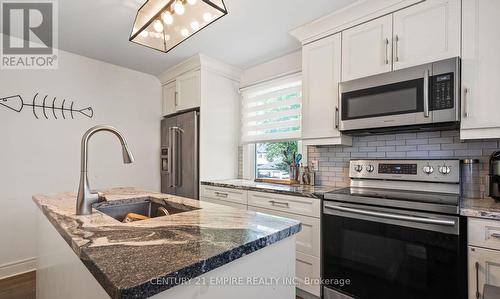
[404, 129]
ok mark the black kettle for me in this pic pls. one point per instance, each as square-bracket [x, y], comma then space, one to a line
[495, 175]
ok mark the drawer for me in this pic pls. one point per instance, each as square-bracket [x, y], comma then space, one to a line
[308, 240]
[224, 203]
[307, 271]
[227, 194]
[484, 233]
[290, 204]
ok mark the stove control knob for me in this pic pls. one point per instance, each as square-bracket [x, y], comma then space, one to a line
[370, 168]
[444, 169]
[428, 169]
[358, 167]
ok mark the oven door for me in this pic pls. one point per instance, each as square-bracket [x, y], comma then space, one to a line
[399, 98]
[372, 252]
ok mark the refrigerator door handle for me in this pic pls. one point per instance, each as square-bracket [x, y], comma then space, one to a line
[172, 158]
[178, 164]
[176, 174]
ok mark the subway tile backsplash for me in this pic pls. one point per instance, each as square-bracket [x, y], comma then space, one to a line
[334, 160]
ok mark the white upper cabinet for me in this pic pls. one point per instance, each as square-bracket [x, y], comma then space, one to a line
[169, 98]
[426, 32]
[367, 49]
[480, 69]
[422, 33]
[188, 90]
[183, 93]
[321, 68]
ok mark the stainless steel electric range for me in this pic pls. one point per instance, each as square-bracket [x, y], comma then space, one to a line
[395, 232]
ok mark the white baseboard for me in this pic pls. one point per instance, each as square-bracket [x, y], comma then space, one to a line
[17, 267]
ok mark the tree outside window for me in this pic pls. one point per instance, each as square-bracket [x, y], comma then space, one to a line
[273, 159]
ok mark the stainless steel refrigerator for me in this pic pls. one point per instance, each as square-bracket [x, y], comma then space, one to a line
[180, 154]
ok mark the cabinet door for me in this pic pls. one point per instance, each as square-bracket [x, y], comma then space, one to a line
[366, 49]
[426, 32]
[484, 268]
[321, 74]
[169, 98]
[480, 69]
[188, 91]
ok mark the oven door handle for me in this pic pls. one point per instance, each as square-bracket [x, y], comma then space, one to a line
[392, 216]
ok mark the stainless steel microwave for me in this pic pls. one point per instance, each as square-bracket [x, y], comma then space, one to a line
[416, 98]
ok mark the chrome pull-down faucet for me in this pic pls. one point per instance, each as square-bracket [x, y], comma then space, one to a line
[86, 197]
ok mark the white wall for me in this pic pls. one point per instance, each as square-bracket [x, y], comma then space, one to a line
[42, 156]
[284, 65]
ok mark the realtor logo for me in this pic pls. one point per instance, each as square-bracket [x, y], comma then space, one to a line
[29, 39]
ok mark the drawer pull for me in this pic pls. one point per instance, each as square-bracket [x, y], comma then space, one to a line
[279, 203]
[221, 194]
[495, 235]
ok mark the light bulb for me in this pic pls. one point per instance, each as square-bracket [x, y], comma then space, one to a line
[207, 17]
[144, 33]
[179, 8]
[195, 25]
[184, 32]
[158, 26]
[167, 17]
[192, 2]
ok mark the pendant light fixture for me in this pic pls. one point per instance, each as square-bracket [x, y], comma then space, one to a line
[164, 24]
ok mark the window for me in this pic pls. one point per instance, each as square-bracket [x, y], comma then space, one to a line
[273, 159]
[271, 115]
[272, 112]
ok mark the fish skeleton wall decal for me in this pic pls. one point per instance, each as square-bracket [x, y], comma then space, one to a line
[45, 106]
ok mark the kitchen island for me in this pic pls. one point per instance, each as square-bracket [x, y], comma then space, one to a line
[207, 251]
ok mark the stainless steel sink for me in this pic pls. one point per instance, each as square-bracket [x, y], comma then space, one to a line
[148, 207]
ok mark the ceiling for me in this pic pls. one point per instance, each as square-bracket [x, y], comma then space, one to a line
[254, 31]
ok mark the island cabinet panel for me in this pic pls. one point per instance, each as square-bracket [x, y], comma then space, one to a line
[480, 69]
[366, 49]
[305, 206]
[426, 32]
[60, 274]
[225, 194]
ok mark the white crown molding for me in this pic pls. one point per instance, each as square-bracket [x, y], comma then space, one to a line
[357, 13]
[197, 62]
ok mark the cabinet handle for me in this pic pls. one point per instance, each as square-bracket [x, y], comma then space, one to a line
[221, 194]
[386, 51]
[466, 102]
[175, 98]
[477, 280]
[495, 235]
[279, 203]
[397, 48]
[336, 117]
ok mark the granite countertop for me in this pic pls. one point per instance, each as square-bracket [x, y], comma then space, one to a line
[480, 207]
[125, 257]
[297, 190]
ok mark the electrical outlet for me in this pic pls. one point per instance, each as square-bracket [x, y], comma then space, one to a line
[315, 165]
